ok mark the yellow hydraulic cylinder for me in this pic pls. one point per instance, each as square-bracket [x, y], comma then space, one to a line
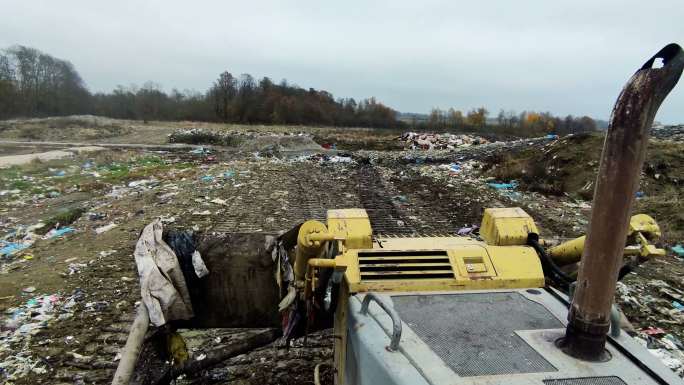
[640, 224]
[310, 244]
[568, 252]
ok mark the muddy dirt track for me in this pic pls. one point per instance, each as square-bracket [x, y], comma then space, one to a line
[68, 300]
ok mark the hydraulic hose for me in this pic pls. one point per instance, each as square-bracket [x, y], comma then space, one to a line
[551, 270]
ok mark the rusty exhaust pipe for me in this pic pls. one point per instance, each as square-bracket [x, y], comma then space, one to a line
[617, 182]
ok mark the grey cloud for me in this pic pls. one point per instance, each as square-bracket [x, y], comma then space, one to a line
[565, 57]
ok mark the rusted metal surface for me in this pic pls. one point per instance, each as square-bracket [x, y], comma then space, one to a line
[616, 185]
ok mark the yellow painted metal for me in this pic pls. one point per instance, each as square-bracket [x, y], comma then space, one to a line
[568, 252]
[474, 265]
[506, 226]
[459, 263]
[395, 264]
[645, 224]
[307, 247]
[647, 249]
[340, 333]
[642, 227]
[352, 225]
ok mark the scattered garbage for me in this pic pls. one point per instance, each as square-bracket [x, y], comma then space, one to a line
[219, 201]
[677, 306]
[200, 151]
[56, 233]
[503, 186]
[653, 331]
[207, 178]
[678, 250]
[11, 248]
[431, 141]
[105, 228]
[238, 181]
[96, 216]
[454, 168]
[142, 183]
[25, 321]
[75, 268]
[197, 262]
[673, 132]
[468, 230]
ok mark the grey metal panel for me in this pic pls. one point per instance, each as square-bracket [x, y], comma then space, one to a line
[475, 333]
[612, 380]
[366, 347]
[436, 372]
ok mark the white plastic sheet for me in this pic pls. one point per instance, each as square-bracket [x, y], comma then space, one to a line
[162, 285]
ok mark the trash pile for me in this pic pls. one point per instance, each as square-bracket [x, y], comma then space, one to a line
[654, 302]
[324, 158]
[670, 133]
[431, 141]
[21, 323]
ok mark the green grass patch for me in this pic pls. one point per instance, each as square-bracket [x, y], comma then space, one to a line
[63, 218]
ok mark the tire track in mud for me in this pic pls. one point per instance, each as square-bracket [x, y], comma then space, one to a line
[385, 217]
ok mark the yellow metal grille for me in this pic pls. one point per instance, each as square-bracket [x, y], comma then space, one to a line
[409, 264]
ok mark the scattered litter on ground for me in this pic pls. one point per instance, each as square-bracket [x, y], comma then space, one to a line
[105, 228]
[503, 186]
[56, 233]
[678, 250]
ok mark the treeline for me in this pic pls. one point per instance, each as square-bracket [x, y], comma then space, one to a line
[526, 123]
[35, 84]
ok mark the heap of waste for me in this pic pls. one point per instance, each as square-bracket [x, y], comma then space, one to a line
[670, 132]
[432, 141]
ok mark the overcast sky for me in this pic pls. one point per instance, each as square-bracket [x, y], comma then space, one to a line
[569, 57]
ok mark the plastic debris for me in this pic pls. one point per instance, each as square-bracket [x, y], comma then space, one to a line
[197, 262]
[678, 250]
[142, 183]
[162, 283]
[653, 331]
[200, 151]
[468, 230]
[11, 248]
[105, 228]
[503, 186]
[56, 233]
[207, 178]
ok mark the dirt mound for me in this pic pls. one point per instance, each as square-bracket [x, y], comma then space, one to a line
[246, 141]
[568, 167]
[84, 127]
